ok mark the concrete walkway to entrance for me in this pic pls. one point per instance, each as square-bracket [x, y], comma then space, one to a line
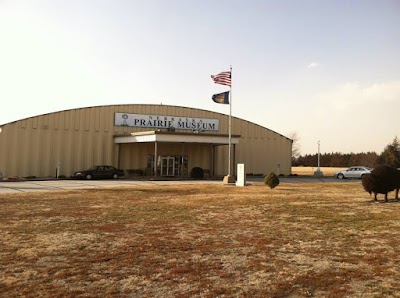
[9, 187]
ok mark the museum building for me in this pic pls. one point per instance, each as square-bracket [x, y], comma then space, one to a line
[141, 139]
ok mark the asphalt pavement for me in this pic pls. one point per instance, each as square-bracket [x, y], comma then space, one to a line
[9, 187]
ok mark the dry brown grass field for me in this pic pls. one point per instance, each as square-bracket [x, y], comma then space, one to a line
[309, 171]
[298, 240]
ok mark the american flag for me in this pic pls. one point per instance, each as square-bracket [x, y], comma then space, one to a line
[223, 78]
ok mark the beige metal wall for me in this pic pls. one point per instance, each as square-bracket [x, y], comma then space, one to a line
[80, 138]
[260, 149]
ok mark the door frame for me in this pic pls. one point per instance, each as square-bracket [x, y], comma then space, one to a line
[165, 170]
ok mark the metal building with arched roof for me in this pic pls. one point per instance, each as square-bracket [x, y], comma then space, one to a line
[153, 140]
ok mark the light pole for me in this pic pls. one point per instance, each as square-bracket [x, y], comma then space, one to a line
[319, 142]
[318, 172]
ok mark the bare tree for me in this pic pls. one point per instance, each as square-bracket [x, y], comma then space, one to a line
[294, 136]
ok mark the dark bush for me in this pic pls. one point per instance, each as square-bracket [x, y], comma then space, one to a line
[197, 173]
[383, 179]
[271, 180]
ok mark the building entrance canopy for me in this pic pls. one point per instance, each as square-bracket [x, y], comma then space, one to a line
[176, 137]
[169, 165]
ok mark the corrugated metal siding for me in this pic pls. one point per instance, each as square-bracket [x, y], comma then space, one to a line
[80, 138]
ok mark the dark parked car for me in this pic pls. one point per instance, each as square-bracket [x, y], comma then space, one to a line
[99, 172]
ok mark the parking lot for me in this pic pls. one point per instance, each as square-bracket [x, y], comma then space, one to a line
[52, 185]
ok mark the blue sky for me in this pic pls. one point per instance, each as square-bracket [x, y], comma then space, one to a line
[327, 70]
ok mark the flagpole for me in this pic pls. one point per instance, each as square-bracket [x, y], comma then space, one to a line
[230, 128]
[225, 78]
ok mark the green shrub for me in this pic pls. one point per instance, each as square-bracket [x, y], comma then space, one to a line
[197, 173]
[271, 180]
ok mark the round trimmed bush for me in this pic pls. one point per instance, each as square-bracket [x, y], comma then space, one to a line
[197, 173]
[271, 180]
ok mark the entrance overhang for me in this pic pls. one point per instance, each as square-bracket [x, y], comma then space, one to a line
[176, 137]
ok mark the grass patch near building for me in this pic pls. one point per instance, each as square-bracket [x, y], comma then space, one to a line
[298, 240]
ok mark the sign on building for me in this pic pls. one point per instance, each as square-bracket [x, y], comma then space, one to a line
[171, 122]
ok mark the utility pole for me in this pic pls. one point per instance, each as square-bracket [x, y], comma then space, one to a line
[318, 172]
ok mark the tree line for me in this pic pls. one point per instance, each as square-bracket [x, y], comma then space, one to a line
[390, 156]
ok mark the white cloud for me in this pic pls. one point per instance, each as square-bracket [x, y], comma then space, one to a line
[354, 93]
[351, 117]
[312, 65]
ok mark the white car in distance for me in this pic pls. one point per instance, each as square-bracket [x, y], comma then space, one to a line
[353, 172]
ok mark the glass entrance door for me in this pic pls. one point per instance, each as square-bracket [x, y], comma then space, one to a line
[180, 165]
[167, 166]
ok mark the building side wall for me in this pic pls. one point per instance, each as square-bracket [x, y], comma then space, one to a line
[80, 138]
[260, 149]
